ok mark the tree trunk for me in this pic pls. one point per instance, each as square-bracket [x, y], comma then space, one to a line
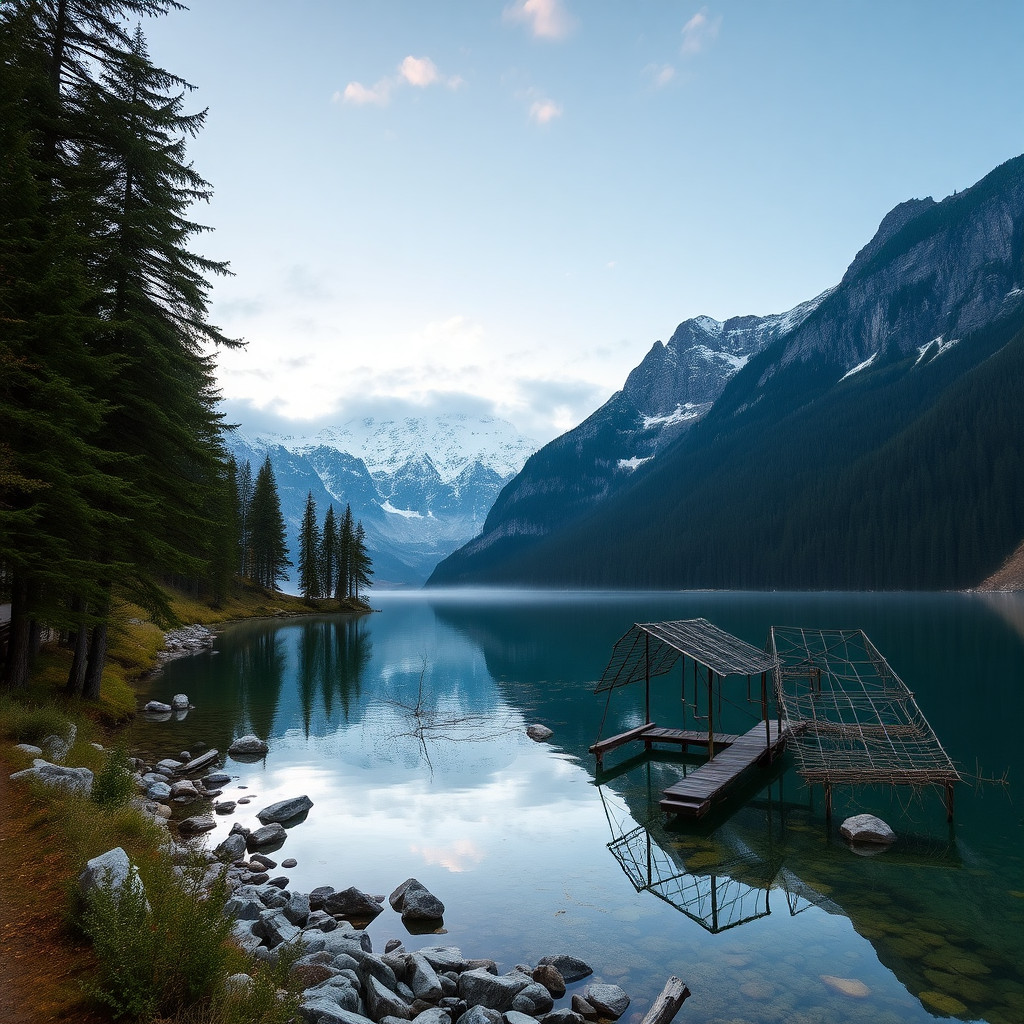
[666, 1006]
[35, 638]
[76, 676]
[97, 658]
[16, 666]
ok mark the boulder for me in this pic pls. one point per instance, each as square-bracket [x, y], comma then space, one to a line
[480, 1015]
[422, 978]
[319, 895]
[75, 780]
[112, 868]
[297, 909]
[243, 908]
[267, 836]
[184, 789]
[249, 746]
[168, 766]
[156, 707]
[444, 958]
[382, 1002]
[608, 1000]
[351, 903]
[534, 1000]
[289, 862]
[242, 933]
[516, 1017]
[275, 928]
[570, 967]
[414, 902]
[180, 702]
[583, 1008]
[285, 810]
[196, 824]
[866, 828]
[215, 779]
[318, 1008]
[481, 988]
[564, 1016]
[539, 733]
[435, 1015]
[158, 791]
[551, 978]
[28, 748]
[232, 848]
[371, 966]
[225, 807]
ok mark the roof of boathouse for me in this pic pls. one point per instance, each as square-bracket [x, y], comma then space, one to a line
[660, 645]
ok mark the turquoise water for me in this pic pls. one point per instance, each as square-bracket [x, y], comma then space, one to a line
[407, 730]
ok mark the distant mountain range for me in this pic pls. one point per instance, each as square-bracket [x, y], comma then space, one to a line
[872, 437]
[421, 485]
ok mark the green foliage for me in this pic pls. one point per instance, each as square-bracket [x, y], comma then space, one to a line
[114, 785]
[29, 723]
[267, 531]
[162, 947]
[310, 574]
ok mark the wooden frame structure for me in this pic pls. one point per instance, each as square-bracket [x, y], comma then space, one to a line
[859, 723]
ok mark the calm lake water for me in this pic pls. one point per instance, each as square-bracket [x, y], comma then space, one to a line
[406, 728]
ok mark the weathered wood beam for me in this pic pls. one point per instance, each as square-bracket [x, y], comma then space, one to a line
[666, 1006]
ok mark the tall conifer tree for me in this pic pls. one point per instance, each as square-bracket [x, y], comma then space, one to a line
[269, 544]
[309, 552]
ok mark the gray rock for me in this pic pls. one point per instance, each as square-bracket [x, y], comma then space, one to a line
[371, 966]
[168, 765]
[113, 869]
[351, 903]
[444, 958]
[196, 824]
[392, 944]
[480, 1015]
[243, 908]
[382, 1002]
[435, 1015]
[422, 978]
[355, 944]
[157, 708]
[242, 933]
[232, 848]
[407, 994]
[184, 788]
[534, 1000]
[564, 1016]
[226, 807]
[180, 703]
[267, 836]
[415, 903]
[317, 1008]
[399, 963]
[75, 780]
[265, 862]
[158, 791]
[539, 733]
[483, 963]
[570, 967]
[583, 1008]
[215, 780]
[866, 828]
[275, 928]
[200, 763]
[319, 895]
[297, 909]
[551, 978]
[248, 745]
[28, 748]
[518, 1017]
[481, 988]
[238, 984]
[608, 1000]
[289, 862]
[285, 810]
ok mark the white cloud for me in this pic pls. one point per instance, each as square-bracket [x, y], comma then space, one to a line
[419, 71]
[659, 75]
[358, 94]
[546, 19]
[699, 32]
[545, 111]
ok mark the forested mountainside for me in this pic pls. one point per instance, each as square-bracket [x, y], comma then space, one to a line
[875, 442]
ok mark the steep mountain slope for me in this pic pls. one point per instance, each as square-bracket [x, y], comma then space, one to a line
[421, 486]
[827, 460]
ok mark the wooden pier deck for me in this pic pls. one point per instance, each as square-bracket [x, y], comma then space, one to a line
[651, 733]
[693, 796]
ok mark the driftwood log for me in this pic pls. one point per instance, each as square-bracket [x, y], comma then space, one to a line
[666, 1006]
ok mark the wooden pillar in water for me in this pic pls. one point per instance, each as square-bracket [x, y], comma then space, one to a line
[647, 676]
[764, 714]
[828, 801]
[949, 801]
[711, 714]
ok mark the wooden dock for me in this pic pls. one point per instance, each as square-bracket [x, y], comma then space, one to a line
[694, 796]
[652, 733]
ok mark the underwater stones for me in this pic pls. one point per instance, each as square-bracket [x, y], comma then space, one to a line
[852, 987]
[866, 828]
[943, 1002]
[758, 990]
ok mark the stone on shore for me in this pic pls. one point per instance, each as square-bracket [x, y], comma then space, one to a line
[444, 958]
[156, 707]
[415, 902]
[351, 903]
[570, 967]
[58, 776]
[28, 748]
[249, 746]
[285, 810]
[184, 790]
[232, 849]
[215, 780]
[196, 824]
[608, 1000]
[382, 1002]
[866, 828]
[551, 978]
[481, 988]
[480, 1015]
[158, 791]
[534, 1000]
[269, 835]
[112, 869]
[539, 733]
[226, 807]
[180, 702]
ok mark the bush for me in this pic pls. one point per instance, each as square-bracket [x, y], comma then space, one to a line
[114, 785]
[29, 723]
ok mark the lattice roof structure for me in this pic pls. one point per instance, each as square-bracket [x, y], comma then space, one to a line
[853, 720]
[653, 648]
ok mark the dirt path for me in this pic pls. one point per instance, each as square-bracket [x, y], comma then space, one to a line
[42, 964]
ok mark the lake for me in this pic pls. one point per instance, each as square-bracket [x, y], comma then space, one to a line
[407, 730]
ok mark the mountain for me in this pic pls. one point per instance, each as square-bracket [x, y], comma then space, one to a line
[872, 438]
[421, 485]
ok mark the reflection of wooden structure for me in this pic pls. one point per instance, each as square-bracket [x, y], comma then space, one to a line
[859, 723]
[653, 649]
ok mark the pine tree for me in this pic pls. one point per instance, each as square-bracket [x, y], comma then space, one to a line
[328, 553]
[346, 542]
[244, 501]
[362, 564]
[269, 544]
[309, 552]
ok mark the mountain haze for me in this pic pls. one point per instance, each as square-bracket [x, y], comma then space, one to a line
[872, 438]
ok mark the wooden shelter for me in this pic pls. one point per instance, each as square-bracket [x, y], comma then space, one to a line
[652, 649]
[858, 722]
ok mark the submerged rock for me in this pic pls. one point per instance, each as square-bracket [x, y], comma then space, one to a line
[848, 986]
[570, 967]
[866, 828]
[539, 732]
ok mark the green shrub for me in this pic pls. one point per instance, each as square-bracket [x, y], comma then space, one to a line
[29, 723]
[114, 785]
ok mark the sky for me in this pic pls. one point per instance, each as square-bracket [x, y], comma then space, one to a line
[497, 206]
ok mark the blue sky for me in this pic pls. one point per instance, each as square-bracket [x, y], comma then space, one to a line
[499, 206]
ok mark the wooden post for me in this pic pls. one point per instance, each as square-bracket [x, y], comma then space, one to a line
[828, 801]
[666, 1006]
[711, 714]
[949, 801]
[647, 677]
[764, 715]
